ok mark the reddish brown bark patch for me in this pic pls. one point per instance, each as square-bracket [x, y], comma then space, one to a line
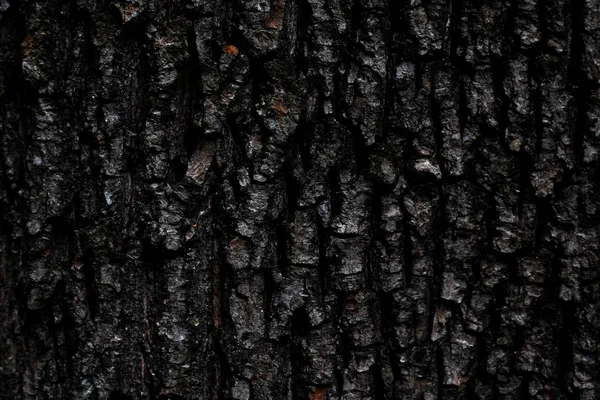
[319, 394]
[278, 106]
[31, 43]
[275, 19]
[231, 50]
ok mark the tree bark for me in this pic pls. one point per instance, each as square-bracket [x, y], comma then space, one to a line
[299, 199]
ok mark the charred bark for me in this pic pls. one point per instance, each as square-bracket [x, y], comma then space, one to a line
[299, 199]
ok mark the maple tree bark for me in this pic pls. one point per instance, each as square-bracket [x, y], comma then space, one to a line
[299, 199]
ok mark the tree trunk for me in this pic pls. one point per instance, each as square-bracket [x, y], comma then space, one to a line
[299, 199]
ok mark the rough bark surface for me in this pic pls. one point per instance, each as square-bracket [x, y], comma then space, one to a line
[299, 199]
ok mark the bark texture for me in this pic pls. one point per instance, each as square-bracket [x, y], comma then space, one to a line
[299, 199]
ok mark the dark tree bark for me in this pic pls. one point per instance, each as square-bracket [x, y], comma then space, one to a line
[299, 199]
